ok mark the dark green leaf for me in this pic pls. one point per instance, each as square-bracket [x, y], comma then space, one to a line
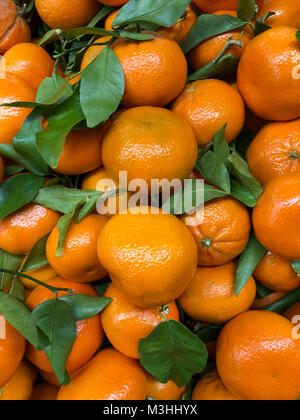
[13, 169]
[85, 307]
[10, 262]
[172, 352]
[296, 266]
[220, 145]
[246, 10]
[243, 142]
[53, 90]
[211, 166]
[103, 32]
[87, 209]
[63, 227]
[249, 260]
[8, 151]
[49, 37]
[105, 11]
[210, 333]
[17, 289]
[262, 291]
[101, 287]
[242, 194]
[298, 35]
[285, 302]
[222, 68]
[37, 256]
[18, 191]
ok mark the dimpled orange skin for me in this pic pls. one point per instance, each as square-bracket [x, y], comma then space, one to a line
[66, 14]
[210, 297]
[108, 376]
[209, 104]
[13, 89]
[12, 349]
[276, 273]
[30, 62]
[208, 50]
[20, 230]
[211, 388]
[276, 216]
[149, 143]
[267, 75]
[82, 151]
[261, 303]
[257, 357]
[209, 6]
[181, 28]
[275, 151]
[163, 392]
[89, 331]
[292, 312]
[44, 392]
[78, 261]
[125, 323]
[286, 12]
[223, 233]
[19, 387]
[152, 258]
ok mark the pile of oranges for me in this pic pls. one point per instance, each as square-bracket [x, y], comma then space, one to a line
[108, 305]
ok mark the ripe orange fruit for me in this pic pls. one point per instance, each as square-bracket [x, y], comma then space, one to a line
[276, 218]
[1, 169]
[50, 378]
[20, 230]
[209, 6]
[92, 52]
[152, 258]
[89, 331]
[13, 89]
[78, 261]
[261, 303]
[163, 392]
[148, 69]
[181, 28]
[209, 104]
[13, 29]
[257, 357]
[208, 50]
[276, 273]
[30, 62]
[66, 14]
[44, 392]
[286, 13]
[211, 388]
[19, 387]
[109, 20]
[113, 2]
[150, 144]
[275, 151]
[42, 274]
[268, 76]
[221, 230]
[12, 349]
[210, 297]
[108, 376]
[292, 312]
[125, 323]
[82, 151]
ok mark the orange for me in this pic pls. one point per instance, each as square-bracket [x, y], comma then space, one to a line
[275, 151]
[210, 297]
[148, 69]
[82, 151]
[276, 216]
[12, 349]
[150, 144]
[261, 303]
[42, 274]
[293, 311]
[13, 89]
[1, 169]
[152, 258]
[50, 378]
[221, 230]
[163, 392]
[30, 62]
[13, 29]
[208, 50]
[19, 387]
[211, 388]
[108, 376]
[44, 392]
[109, 20]
[66, 14]
[78, 261]
[181, 28]
[89, 331]
[286, 12]
[209, 6]
[209, 104]
[92, 52]
[125, 323]
[113, 2]
[257, 357]
[268, 74]
[276, 273]
[20, 230]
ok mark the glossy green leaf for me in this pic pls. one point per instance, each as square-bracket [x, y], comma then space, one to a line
[37, 256]
[221, 147]
[262, 291]
[84, 306]
[210, 333]
[213, 169]
[53, 90]
[10, 262]
[10, 170]
[8, 151]
[285, 302]
[246, 10]
[296, 266]
[221, 68]
[136, 36]
[63, 227]
[50, 37]
[105, 11]
[242, 194]
[17, 289]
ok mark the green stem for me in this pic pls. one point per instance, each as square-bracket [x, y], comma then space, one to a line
[164, 309]
[206, 243]
[294, 154]
[230, 43]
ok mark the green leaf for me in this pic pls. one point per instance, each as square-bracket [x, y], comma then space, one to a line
[243, 142]
[37, 256]
[10, 262]
[50, 37]
[120, 33]
[220, 145]
[19, 317]
[160, 12]
[248, 261]
[18, 191]
[63, 227]
[56, 320]
[298, 35]
[221, 68]
[241, 172]
[87, 209]
[17, 289]
[10, 170]
[210, 333]
[105, 11]
[242, 194]
[246, 10]
[51, 141]
[102, 87]
[262, 291]
[172, 352]
[296, 266]
[53, 90]
[101, 287]
[285, 302]
[207, 26]
[84, 306]
[8, 151]
[213, 169]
